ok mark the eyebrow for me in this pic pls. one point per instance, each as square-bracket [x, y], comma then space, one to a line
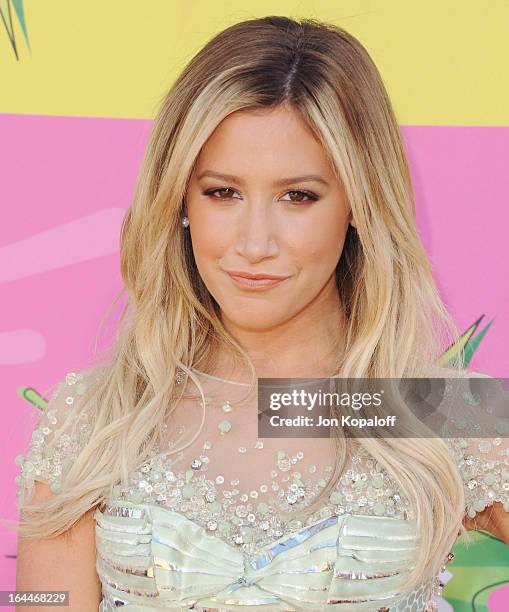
[279, 183]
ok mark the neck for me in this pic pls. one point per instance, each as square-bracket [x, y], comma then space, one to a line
[305, 346]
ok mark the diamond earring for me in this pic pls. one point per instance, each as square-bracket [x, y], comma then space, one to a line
[185, 221]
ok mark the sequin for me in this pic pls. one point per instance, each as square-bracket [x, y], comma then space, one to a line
[284, 465]
[71, 378]
[224, 426]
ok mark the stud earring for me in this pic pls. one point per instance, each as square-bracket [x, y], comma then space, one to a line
[185, 221]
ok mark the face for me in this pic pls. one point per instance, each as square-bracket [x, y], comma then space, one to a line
[263, 199]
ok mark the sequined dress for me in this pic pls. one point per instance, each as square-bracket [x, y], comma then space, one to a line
[218, 520]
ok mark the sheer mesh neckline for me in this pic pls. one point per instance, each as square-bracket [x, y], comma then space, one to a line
[240, 384]
[217, 378]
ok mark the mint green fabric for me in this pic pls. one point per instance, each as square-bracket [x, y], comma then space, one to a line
[149, 557]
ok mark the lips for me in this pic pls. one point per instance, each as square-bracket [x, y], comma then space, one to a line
[256, 281]
[258, 276]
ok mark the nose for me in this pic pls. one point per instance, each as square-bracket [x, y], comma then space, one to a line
[257, 233]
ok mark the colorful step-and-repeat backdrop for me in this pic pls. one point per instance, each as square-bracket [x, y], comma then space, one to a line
[80, 84]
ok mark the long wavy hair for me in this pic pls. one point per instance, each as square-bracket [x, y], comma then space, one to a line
[397, 324]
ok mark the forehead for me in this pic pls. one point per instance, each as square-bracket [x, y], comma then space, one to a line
[272, 140]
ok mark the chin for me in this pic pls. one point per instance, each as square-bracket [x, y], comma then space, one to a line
[254, 319]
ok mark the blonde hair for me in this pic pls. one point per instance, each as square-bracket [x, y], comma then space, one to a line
[397, 324]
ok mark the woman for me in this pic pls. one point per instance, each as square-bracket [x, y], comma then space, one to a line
[276, 153]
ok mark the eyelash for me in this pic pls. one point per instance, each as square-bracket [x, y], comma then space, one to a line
[312, 197]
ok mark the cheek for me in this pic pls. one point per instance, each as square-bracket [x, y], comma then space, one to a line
[209, 237]
[322, 247]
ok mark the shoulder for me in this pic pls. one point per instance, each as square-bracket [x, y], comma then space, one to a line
[62, 429]
[480, 446]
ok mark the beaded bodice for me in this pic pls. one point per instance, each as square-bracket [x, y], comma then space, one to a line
[250, 517]
[250, 490]
[210, 476]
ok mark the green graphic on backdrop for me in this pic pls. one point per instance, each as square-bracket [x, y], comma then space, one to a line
[7, 7]
[479, 568]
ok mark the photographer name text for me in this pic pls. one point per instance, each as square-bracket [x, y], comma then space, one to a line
[345, 420]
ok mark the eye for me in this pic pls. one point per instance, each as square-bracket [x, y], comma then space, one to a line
[219, 189]
[311, 197]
